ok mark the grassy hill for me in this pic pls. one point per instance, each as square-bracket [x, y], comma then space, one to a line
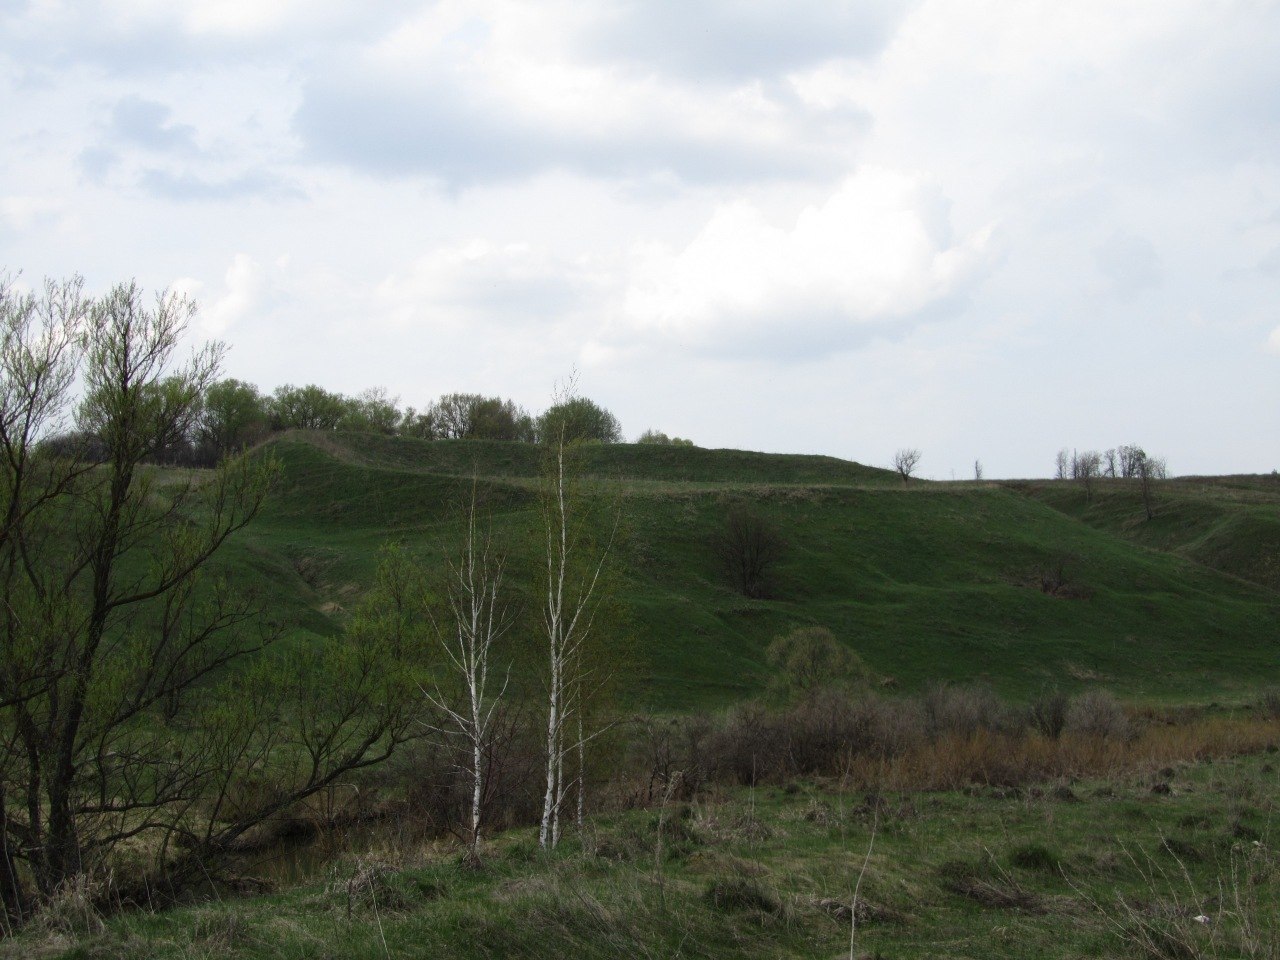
[1231, 524]
[1015, 586]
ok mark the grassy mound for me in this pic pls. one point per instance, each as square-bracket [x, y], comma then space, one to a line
[930, 582]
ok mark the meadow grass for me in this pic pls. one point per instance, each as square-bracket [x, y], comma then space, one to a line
[1114, 865]
[929, 582]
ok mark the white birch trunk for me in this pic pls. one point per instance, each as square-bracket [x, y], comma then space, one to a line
[479, 620]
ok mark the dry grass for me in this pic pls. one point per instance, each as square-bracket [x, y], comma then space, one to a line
[998, 759]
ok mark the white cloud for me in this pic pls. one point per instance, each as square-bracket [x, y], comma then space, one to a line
[483, 282]
[244, 288]
[876, 252]
[22, 212]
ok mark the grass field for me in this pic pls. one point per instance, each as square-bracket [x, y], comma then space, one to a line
[931, 582]
[1122, 865]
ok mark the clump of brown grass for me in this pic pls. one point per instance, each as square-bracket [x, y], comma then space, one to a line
[1005, 760]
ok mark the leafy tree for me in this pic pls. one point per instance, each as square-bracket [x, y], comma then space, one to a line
[234, 416]
[306, 408]
[579, 419]
[1148, 470]
[1086, 467]
[93, 638]
[470, 416]
[419, 425]
[115, 628]
[371, 412]
[576, 586]
[496, 419]
[479, 616]
[1062, 465]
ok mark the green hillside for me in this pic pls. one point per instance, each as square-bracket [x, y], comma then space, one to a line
[930, 582]
[1229, 523]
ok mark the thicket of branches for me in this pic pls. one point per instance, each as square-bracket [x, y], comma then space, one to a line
[133, 705]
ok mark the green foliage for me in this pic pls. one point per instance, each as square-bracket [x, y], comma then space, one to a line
[372, 412]
[810, 658]
[470, 416]
[658, 438]
[578, 419]
[306, 408]
[234, 416]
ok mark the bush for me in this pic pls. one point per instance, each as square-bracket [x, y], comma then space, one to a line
[1098, 713]
[810, 658]
[750, 747]
[1047, 714]
[661, 439]
[964, 710]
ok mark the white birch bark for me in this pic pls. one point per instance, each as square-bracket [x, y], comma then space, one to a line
[480, 619]
[571, 601]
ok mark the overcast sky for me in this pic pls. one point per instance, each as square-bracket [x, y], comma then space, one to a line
[984, 229]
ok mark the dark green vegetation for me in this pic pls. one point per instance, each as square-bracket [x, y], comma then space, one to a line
[1228, 523]
[1083, 869]
[1002, 583]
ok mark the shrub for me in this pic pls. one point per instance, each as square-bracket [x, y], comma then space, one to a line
[661, 439]
[1098, 713]
[964, 710]
[810, 658]
[1047, 714]
[750, 747]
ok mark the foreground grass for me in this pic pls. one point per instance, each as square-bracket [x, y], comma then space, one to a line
[1121, 866]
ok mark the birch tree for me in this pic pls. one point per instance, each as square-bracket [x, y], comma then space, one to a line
[574, 575]
[479, 617]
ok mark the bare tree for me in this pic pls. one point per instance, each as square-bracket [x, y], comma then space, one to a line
[1148, 469]
[977, 469]
[904, 461]
[1087, 467]
[1062, 465]
[749, 547]
[1129, 455]
[480, 618]
[1109, 463]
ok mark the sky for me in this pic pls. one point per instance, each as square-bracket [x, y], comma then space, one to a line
[986, 230]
